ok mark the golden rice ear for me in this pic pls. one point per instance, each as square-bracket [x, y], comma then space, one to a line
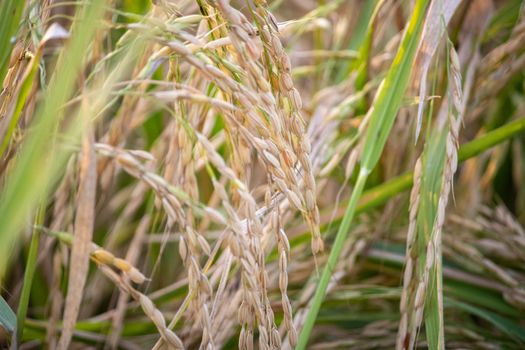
[103, 257]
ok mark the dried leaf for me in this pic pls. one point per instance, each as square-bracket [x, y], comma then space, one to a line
[80, 251]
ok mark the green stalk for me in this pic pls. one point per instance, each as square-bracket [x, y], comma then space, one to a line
[491, 138]
[25, 89]
[385, 108]
[28, 277]
[359, 34]
[332, 259]
[364, 57]
[10, 13]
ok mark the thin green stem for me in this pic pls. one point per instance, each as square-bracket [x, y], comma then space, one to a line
[491, 138]
[10, 14]
[340, 239]
[28, 277]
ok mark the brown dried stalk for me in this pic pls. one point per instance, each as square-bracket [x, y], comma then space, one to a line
[84, 221]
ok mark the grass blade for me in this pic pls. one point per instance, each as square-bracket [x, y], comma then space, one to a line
[28, 279]
[340, 238]
[388, 98]
[10, 13]
[512, 329]
[7, 316]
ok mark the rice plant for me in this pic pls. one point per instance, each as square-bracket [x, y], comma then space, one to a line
[342, 174]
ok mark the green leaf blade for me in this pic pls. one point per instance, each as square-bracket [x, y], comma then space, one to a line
[7, 316]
